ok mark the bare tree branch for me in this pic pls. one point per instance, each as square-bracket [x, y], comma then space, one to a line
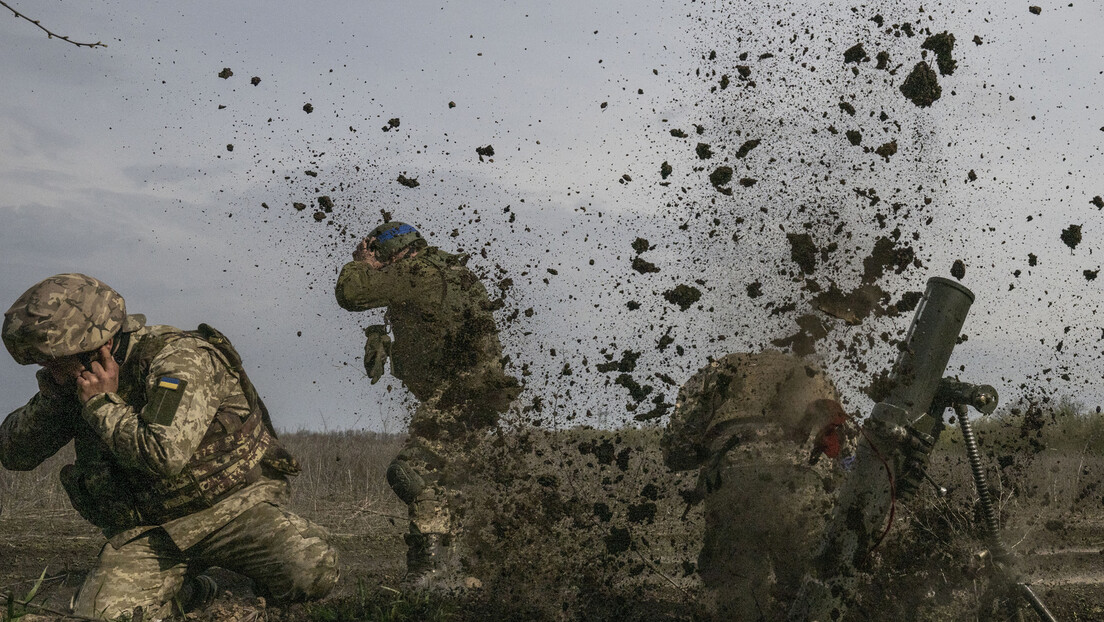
[49, 34]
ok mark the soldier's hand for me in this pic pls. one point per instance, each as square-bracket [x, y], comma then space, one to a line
[363, 255]
[102, 378]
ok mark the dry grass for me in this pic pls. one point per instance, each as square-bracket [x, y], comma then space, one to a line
[581, 524]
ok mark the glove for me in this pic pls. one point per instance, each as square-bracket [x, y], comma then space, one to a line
[377, 349]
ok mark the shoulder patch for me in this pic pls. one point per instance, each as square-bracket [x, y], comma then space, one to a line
[163, 401]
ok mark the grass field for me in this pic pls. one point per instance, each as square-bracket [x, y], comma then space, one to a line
[589, 525]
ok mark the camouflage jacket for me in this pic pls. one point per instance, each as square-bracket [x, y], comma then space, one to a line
[744, 398]
[445, 338]
[141, 439]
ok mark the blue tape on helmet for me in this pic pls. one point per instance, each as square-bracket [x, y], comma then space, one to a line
[390, 233]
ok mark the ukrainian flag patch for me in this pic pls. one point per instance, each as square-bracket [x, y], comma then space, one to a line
[163, 400]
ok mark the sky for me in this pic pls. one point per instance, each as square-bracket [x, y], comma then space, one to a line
[139, 165]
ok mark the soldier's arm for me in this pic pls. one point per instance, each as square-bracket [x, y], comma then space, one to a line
[33, 433]
[360, 287]
[184, 388]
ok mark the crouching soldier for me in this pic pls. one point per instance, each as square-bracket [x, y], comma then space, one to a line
[447, 353]
[176, 460]
[746, 420]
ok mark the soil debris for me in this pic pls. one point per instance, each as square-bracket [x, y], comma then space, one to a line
[803, 251]
[1035, 10]
[1098, 202]
[887, 253]
[1090, 275]
[848, 108]
[326, 203]
[308, 108]
[854, 137]
[755, 290]
[643, 266]
[677, 133]
[665, 170]
[748, 182]
[942, 44]
[921, 87]
[1072, 236]
[229, 147]
[720, 178]
[255, 80]
[683, 296]
[908, 301]
[803, 342]
[640, 245]
[958, 269]
[747, 147]
[409, 182]
[299, 206]
[626, 365]
[883, 60]
[887, 149]
[225, 73]
[703, 151]
[855, 54]
[487, 151]
[637, 391]
[852, 307]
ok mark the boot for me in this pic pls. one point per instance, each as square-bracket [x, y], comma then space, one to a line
[198, 593]
[432, 563]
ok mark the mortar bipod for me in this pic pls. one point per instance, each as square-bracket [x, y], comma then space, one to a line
[983, 398]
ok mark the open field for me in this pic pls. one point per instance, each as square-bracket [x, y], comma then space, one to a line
[589, 525]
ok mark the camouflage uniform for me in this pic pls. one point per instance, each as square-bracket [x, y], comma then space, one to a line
[744, 421]
[175, 466]
[447, 353]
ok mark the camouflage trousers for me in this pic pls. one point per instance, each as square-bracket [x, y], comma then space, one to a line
[437, 451]
[287, 557]
[764, 511]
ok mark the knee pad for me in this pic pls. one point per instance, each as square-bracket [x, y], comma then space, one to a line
[404, 480]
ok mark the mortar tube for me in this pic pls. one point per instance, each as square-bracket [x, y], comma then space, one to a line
[927, 349]
[859, 519]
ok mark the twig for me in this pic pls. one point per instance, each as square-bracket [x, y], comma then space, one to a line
[9, 597]
[50, 34]
[659, 572]
[45, 580]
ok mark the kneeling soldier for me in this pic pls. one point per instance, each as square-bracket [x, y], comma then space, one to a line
[746, 421]
[176, 459]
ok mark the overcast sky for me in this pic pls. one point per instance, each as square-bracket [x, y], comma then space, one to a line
[117, 163]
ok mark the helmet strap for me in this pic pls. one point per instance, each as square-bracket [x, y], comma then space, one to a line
[119, 349]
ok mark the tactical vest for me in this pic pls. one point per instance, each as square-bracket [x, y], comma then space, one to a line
[463, 368]
[233, 453]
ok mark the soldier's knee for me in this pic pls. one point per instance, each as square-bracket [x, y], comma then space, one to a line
[404, 480]
[321, 579]
[313, 576]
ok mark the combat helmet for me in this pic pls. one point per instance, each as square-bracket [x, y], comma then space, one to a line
[62, 315]
[390, 238]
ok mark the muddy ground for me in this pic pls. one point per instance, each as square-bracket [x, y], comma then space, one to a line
[590, 526]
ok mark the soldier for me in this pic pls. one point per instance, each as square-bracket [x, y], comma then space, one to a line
[447, 353]
[176, 460]
[746, 420]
